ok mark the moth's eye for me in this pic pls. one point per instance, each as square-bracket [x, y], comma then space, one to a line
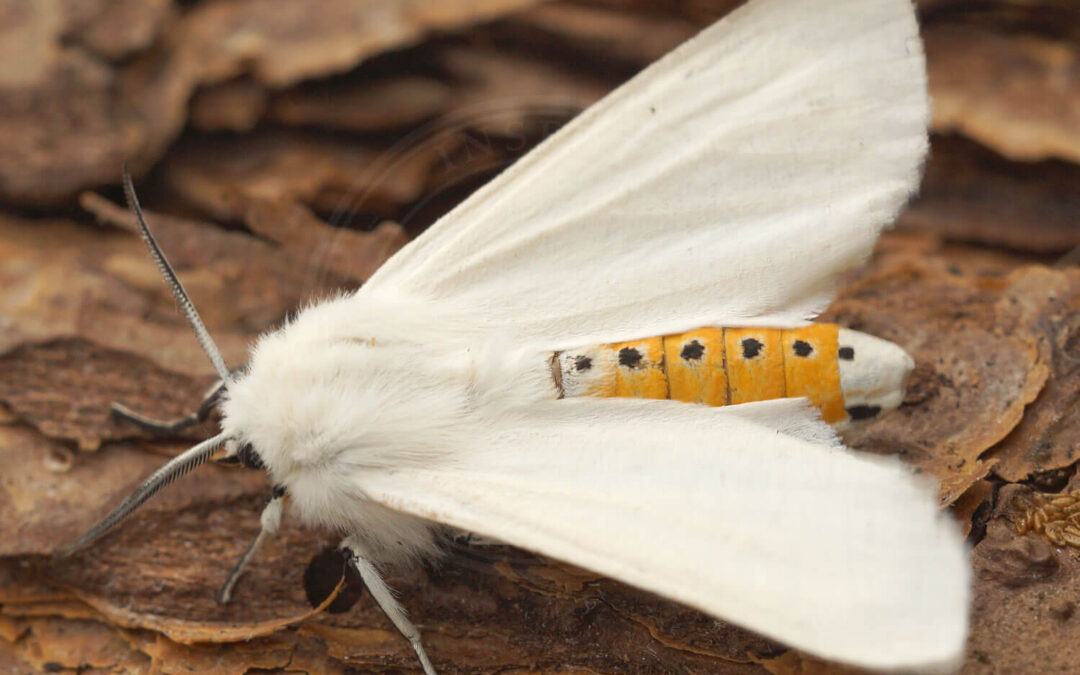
[249, 458]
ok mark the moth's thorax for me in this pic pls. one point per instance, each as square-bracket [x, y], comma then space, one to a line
[325, 401]
[305, 405]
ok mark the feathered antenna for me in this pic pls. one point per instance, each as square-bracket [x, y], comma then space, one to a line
[188, 460]
[177, 288]
[177, 467]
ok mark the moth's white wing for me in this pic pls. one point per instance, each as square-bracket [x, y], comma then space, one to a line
[844, 556]
[730, 182]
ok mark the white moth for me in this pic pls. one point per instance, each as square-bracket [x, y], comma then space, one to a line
[729, 184]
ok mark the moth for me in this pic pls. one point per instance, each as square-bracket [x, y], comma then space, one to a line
[571, 360]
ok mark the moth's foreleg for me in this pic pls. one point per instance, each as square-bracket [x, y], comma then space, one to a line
[465, 538]
[270, 522]
[352, 546]
[191, 419]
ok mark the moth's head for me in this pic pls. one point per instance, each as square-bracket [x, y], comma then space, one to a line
[873, 374]
[298, 405]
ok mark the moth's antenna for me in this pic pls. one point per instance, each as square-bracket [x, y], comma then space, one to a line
[188, 460]
[177, 467]
[178, 291]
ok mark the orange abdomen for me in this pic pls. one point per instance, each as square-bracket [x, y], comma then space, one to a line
[714, 366]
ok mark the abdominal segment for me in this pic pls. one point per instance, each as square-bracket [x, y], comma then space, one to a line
[714, 366]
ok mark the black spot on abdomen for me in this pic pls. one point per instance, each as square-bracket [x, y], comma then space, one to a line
[751, 348]
[629, 357]
[692, 351]
[582, 363]
[802, 348]
[846, 353]
[863, 412]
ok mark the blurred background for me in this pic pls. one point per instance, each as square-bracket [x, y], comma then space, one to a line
[283, 149]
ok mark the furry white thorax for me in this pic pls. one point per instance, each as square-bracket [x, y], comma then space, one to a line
[368, 383]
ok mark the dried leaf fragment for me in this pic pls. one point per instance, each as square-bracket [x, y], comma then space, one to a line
[973, 376]
[971, 195]
[601, 35]
[1024, 597]
[66, 387]
[1048, 436]
[29, 42]
[280, 43]
[1014, 93]
[105, 114]
[1055, 516]
[53, 644]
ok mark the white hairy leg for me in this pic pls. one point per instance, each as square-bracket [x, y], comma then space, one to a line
[383, 595]
[270, 521]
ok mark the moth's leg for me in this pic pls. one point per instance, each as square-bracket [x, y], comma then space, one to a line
[269, 521]
[178, 424]
[353, 548]
[466, 538]
[191, 419]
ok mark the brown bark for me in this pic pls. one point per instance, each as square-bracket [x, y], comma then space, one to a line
[285, 153]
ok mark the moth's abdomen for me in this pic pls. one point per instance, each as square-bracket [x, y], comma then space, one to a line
[726, 366]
